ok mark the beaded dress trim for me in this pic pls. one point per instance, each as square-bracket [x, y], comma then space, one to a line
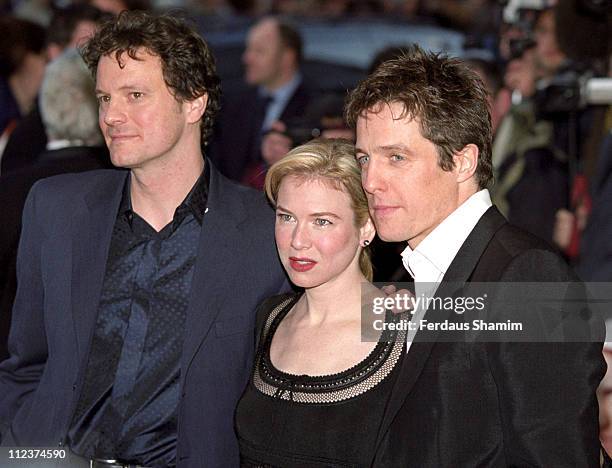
[326, 389]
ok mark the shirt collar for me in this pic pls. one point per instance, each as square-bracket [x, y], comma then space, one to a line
[195, 201]
[432, 257]
[284, 92]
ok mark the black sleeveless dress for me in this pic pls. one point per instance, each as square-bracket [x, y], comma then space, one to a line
[289, 421]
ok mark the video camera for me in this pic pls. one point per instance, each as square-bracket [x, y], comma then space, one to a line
[574, 87]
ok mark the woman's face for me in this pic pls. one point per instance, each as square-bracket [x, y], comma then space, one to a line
[315, 231]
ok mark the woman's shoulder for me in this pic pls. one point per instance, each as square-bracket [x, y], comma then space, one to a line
[269, 305]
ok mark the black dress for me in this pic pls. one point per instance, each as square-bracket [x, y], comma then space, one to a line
[285, 420]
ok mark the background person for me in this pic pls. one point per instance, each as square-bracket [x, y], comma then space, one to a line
[275, 92]
[70, 27]
[22, 64]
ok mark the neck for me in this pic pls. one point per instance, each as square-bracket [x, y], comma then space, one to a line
[464, 192]
[22, 93]
[157, 192]
[338, 300]
[280, 80]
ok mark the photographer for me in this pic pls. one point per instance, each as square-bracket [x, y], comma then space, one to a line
[546, 140]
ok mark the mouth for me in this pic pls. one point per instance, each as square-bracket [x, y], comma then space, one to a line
[120, 138]
[301, 264]
[383, 210]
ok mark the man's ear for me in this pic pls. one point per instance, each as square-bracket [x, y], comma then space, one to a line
[196, 108]
[367, 232]
[466, 162]
[288, 59]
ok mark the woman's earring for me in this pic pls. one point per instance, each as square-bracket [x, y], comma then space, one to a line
[366, 243]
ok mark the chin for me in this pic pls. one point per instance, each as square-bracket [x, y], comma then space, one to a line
[392, 236]
[303, 281]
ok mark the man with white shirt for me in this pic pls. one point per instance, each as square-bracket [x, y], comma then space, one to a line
[424, 145]
[276, 95]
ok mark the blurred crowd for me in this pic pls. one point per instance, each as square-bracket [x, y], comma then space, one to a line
[285, 68]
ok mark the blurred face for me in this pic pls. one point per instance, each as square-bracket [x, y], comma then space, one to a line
[408, 193]
[141, 121]
[263, 55]
[31, 74]
[83, 31]
[315, 232]
[547, 53]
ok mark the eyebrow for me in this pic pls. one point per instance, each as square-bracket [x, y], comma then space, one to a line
[321, 213]
[393, 147]
[127, 87]
[326, 213]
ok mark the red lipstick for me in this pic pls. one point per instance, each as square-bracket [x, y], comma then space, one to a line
[301, 264]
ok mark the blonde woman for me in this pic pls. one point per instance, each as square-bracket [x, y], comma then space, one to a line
[318, 391]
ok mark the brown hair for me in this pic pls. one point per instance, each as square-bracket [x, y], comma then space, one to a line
[447, 99]
[188, 65]
[18, 38]
[290, 38]
[332, 160]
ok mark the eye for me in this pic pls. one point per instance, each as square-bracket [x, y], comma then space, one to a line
[136, 95]
[284, 217]
[362, 159]
[103, 98]
[397, 157]
[322, 222]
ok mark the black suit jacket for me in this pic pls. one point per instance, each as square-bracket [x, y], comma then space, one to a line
[459, 404]
[25, 143]
[235, 142]
[68, 223]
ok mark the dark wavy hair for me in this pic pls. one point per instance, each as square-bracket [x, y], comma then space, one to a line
[447, 98]
[188, 66]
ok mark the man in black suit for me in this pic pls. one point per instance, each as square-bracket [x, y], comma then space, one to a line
[276, 93]
[424, 145]
[133, 325]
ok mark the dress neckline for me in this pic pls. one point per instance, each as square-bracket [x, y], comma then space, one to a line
[360, 371]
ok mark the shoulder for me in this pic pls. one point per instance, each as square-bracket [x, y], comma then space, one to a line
[77, 183]
[268, 305]
[253, 203]
[523, 256]
[67, 190]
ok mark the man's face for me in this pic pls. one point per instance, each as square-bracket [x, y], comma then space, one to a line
[408, 193]
[263, 55]
[548, 55]
[142, 122]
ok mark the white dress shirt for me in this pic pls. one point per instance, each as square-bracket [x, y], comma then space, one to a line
[427, 264]
[280, 99]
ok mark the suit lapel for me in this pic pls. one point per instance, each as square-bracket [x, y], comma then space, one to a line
[458, 273]
[92, 230]
[213, 267]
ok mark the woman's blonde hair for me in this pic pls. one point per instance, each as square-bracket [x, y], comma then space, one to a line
[333, 160]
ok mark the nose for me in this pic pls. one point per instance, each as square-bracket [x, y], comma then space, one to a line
[113, 113]
[371, 177]
[300, 238]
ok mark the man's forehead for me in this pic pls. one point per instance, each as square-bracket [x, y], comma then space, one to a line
[266, 32]
[123, 56]
[395, 110]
